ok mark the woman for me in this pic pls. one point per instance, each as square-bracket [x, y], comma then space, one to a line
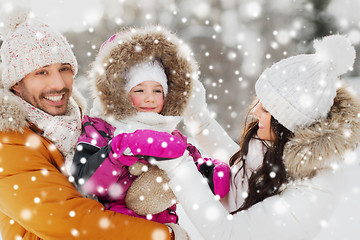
[288, 175]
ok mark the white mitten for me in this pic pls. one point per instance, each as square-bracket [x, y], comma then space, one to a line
[208, 133]
[171, 165]
[179, 232]
[196, 115]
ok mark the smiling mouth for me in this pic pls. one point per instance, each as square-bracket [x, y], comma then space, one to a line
[261, 126]
[55, 98]
[148, 108]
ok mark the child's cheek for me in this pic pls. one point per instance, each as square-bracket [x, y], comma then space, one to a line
[136, 101]
[161, 100]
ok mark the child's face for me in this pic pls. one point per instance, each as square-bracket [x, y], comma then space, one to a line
[265, 132]
[147, 96]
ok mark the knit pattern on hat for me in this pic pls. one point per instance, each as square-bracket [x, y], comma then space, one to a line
[29, 45]
[146, 71]
[300, 90]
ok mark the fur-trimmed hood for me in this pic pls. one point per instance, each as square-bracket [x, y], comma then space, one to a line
[12, 113]
[130, 47]
[316, 147]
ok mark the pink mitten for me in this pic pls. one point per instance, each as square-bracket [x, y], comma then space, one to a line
[217, 174]
[142, 143]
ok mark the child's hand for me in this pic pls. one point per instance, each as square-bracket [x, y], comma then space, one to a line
[142, 143]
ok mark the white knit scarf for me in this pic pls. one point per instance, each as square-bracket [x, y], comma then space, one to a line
[63, 130]
[145, 120]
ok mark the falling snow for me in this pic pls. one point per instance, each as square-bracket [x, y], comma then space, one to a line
[233, 41]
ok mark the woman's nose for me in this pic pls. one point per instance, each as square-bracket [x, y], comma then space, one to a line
[257, 111]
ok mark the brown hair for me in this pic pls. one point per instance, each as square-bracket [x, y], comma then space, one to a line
[261, 184]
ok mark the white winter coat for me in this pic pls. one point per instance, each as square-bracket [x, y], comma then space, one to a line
[315, 162]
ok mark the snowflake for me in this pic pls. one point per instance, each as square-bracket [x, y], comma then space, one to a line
[79, 148]
[272, 174]
[159, 234]
[212, 213]
[138, 48]
[144, 168]
[74, 232]
[45, 172]
[104, 223]
[115, 190]
[324, 224]
[159, 179]
[33, 141]
[26, 214]
[72, 213]
[279, 207]
[244, 195]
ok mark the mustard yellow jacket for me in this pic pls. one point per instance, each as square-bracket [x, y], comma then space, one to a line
[38, 202]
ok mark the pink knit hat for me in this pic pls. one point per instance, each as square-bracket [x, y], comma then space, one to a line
[29, 45]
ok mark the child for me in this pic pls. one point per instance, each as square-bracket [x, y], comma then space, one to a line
[141, 79]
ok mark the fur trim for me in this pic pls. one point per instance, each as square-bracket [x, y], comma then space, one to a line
[134, 46]
[12, 114]
[80, 100]
[313, 148]
[1, 70]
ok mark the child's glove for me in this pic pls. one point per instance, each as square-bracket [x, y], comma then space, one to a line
[218, 175]
[147, 143]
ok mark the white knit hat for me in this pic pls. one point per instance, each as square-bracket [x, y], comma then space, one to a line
[146, 71]
[29, 45]
[299, 90]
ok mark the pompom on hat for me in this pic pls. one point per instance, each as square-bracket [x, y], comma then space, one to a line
[28, 45]
[300, 90]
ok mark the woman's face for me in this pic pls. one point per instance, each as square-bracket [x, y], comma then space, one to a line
[265, 132]
[147, 96]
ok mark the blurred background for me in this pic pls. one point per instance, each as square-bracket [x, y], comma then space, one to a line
[233, 42]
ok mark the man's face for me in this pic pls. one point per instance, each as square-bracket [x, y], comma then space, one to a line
[48, 88]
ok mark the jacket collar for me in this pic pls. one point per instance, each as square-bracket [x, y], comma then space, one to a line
[316, 147]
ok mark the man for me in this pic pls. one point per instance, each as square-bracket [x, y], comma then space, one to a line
[40, 121]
